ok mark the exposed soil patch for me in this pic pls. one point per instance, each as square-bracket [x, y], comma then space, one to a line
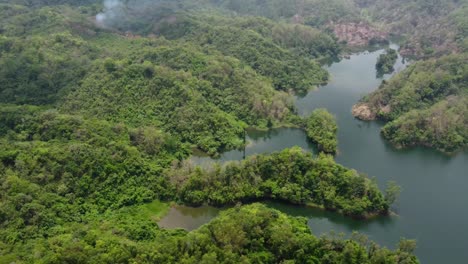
[358, 34]
[363, 111]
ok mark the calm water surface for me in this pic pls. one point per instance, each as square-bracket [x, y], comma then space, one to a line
[188, 218]
[263, 142]
[433, 207]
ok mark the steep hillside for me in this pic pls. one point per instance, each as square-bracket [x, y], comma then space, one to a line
[208, 71]
[426, 28]
[429, 28]
[426, 105]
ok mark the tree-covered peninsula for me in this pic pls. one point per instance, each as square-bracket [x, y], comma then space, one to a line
[424, 105]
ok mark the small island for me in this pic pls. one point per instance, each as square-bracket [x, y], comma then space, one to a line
[322, 129]
[386, 61]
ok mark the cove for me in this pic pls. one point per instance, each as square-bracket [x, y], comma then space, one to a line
[433, 206]
[188, 218]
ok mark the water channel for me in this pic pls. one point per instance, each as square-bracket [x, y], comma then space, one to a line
[433, 207]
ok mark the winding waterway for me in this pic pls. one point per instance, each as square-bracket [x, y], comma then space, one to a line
[433, 207]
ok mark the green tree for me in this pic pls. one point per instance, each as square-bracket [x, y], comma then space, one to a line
[322, 128]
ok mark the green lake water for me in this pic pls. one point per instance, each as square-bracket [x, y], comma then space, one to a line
[433, 206]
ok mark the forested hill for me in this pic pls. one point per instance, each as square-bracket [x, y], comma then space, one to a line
[425, 28]
[101, 103]
[205, 70]
[425, 104]
[429, 28]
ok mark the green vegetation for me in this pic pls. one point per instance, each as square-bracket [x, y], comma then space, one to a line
[98, 115]
[321, 128]
[426, 104]
[439, 28]
[443, 126]
[107, 165]
[290, 175]
[210, 71]
[318, 13]
[77, 189]
[251, 233]
[386, 61]
[241, 39]
[255, 234]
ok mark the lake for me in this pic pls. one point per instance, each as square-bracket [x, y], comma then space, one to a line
[433, 206]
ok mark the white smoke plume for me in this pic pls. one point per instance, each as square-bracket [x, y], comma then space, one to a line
[113, 9]
[135, 14]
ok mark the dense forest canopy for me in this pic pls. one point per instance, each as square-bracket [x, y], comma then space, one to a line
[426, 104]
[291, 176]
[321, 128]
[67, 63]
[386, 61]
[101, 103]
[82, 190]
